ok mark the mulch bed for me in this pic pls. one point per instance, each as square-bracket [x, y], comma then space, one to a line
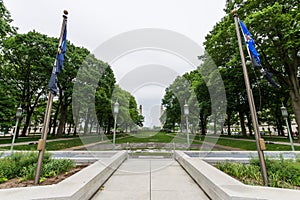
[14, 183]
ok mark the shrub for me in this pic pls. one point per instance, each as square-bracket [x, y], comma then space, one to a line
[281, 173]
[56, 167]
[28, 172]
[23, 165]
[7, 168]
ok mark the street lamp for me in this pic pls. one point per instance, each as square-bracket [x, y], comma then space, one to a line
[116, 111]
[18, 116]
[186, 113]
[285, 115]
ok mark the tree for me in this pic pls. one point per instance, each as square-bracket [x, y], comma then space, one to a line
[8, 101]
[172, 110]
[74, 58]
[8, 104]
[128, 111]
[137, 119]
[93, 88]
[104, 97]
[279, 48]
[5, 19]
[203, 99]
[177, 94]
[27, 58]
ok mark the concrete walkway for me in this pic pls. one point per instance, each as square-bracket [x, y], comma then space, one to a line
[150, 179]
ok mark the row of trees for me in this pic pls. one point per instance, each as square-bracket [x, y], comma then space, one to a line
[275, 29]
[26, 65]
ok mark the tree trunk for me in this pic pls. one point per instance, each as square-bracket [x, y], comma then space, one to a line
[54, 124]
[91, 128]
[215, 124]
[27, 122]
[108, 125]
[249, 124]
[62, 120]
[228, 123]
[29, 107]
[279, 126]
[98, 129]
[69, 128]
[295, 99]
[242, 120]
[202, 124]
[173, 126]
[86, 123]
[75, 130]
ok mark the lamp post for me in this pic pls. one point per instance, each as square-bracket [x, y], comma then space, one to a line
[116, 111]
[186, 113]
[285, 115]
[18, 116]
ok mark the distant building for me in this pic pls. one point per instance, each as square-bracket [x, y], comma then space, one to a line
[162, 116]
[141, 110]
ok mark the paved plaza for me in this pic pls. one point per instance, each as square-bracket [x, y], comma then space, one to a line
[150, 179]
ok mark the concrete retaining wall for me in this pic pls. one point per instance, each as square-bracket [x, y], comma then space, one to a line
[81, 185]
[220, 186]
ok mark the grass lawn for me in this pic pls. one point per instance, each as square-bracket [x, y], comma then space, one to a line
[144, 137]
[265, 137]
[252, 145]
[244, 145]
[7, 140]
[63, 144]
[150, 137]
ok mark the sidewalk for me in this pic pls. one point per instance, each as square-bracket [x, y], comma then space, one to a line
[150, 179]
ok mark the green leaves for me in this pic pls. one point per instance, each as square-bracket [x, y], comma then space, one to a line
[282, 173]
[5, 20]
[275, 26]
[25, 71]
[23, 166]
[128, 112]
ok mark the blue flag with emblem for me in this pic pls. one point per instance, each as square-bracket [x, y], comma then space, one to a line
[59, 61]
[254, 55]
[250, 42]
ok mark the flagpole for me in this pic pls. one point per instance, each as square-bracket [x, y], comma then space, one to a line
[42, 141]
[259, 141]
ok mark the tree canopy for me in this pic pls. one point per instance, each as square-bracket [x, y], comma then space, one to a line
[279, 53]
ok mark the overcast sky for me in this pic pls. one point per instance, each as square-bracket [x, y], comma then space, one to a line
[93, 22]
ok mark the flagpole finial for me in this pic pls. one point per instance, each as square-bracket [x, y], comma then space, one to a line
[66, 12]
[235, 10]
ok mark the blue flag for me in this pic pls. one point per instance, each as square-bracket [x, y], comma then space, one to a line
[59, 61]
[255, 56]
[250, 42]
[61, 55]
